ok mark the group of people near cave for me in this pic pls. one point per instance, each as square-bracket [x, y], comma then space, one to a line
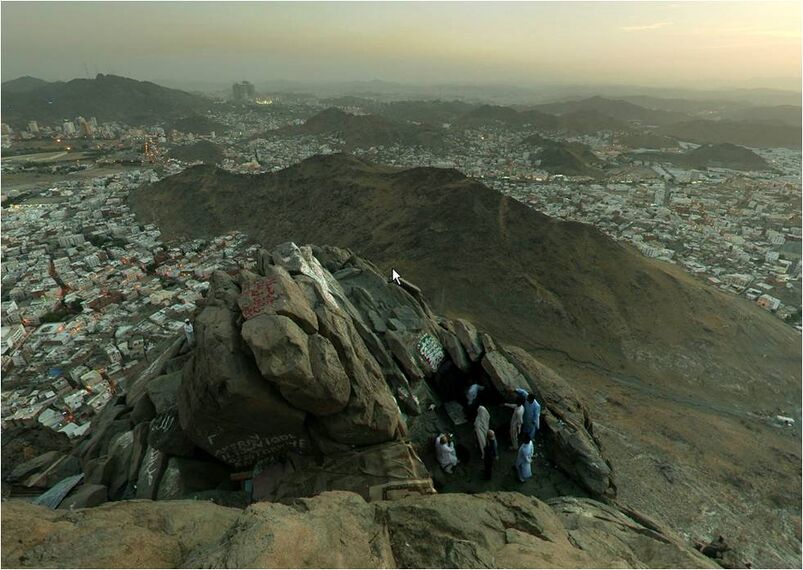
[524, 423]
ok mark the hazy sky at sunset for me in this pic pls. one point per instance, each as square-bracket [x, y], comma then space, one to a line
[703, 44]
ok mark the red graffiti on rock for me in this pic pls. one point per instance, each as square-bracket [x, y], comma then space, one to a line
[261, 294]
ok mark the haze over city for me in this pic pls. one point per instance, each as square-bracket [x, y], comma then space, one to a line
[682, 44]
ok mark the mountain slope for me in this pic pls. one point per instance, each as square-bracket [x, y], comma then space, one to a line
[368, 130]
[107, 97]
[530, 279]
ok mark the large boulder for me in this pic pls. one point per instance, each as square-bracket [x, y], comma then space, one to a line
[163, 390]
[143, 411]
[294, 259]
[225, 405]
[21, 444]
[139, 447]
[45, 470]
[166, 435]
[105, 426]
[87, 495]
[404, 353]
[223, 290]
[35, 465]
[454, 348]
[277, 294]
[305, 369]
[151, 470]
[504, 376]
[468, 336]
[281, 350]
[129, 534]
[330, 376]
[371, 415]
[135, 389]
[376, 472]
[100, 470]
[337, 530]
[120, 454]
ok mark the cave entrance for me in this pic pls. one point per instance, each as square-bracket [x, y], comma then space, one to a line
[452, 414]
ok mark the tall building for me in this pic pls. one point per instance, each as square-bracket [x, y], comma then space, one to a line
[68, 128]
[86, 128]
[243, 91]
[33, 127]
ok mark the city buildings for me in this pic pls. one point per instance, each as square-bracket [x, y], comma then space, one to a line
[243, 91]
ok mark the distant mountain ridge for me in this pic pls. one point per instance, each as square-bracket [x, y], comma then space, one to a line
[23, 84]
[722, 155]
[107, 97]
[767, 127]
[751, 134]
[368, 130]
[615, 108]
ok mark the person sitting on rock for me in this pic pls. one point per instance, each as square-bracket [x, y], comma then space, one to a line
[445, 452]
[490, 454]
[516, 421]
[481, 423]
[524, 459]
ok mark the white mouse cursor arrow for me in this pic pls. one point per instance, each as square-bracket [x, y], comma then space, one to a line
[395, 277]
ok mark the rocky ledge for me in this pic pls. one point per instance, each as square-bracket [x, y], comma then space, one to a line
[341, 529]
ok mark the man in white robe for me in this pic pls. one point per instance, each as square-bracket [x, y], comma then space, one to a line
[524, 460]
[516, 421]
[189, 332]
[481, 424]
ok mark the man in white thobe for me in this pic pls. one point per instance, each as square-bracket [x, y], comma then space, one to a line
[481, 424]
[516, 421]
[189, 332]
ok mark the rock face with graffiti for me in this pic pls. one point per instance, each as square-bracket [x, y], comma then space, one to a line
[314, 356]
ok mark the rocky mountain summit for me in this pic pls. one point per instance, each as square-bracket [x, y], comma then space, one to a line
[312, 375]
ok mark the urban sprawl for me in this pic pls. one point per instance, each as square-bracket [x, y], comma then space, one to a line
[90, 294]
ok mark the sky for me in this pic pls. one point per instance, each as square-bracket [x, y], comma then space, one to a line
[681, 44]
